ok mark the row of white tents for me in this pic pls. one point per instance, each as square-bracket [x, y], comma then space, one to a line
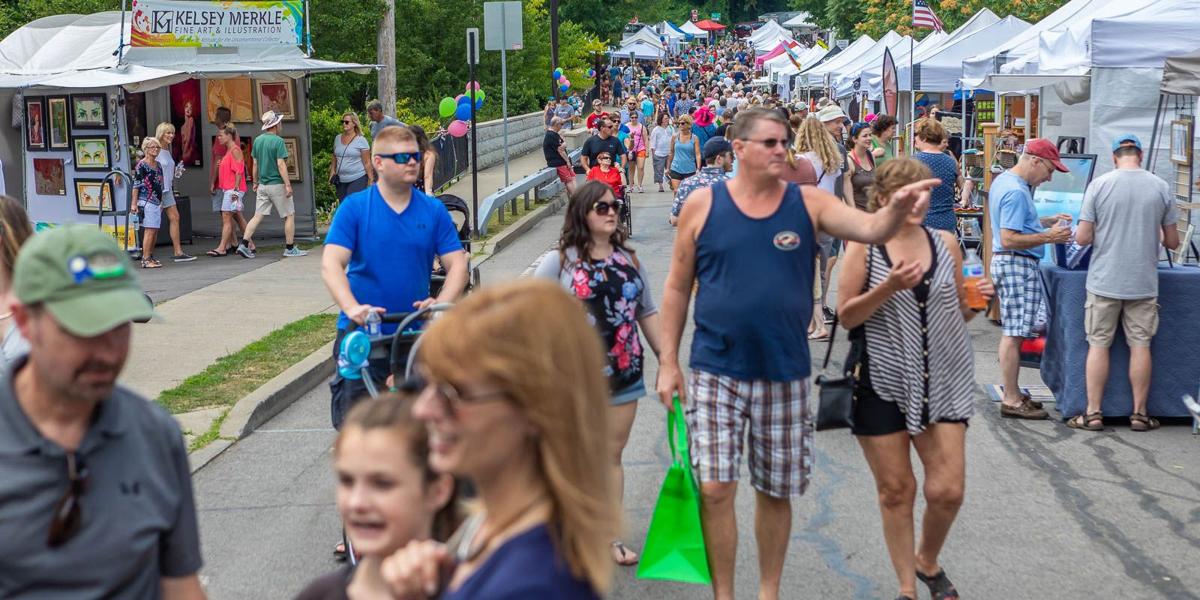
[1095, 64]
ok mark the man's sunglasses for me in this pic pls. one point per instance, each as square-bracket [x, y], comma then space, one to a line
[67, 517]
[771, 142]
[402, 157]
[602, 208]
[347, 122]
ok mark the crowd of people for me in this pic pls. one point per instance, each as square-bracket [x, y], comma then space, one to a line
[766, 197]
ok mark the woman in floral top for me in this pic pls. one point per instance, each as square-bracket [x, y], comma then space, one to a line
[595, 265]
[148, 179]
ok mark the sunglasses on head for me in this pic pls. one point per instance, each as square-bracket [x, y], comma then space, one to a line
[67, 517]
[403, 157]
[602, 208]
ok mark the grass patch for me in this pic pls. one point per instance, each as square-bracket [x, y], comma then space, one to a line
[210, 436]
[235, 375]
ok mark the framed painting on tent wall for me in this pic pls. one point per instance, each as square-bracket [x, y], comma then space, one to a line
[293, 160]
[49, 177]
[185, 116]
[59, 128]
[91, 194]
[91, 153]
[279, 96]
[35, 123]
[235, 94]
[89, 111]
[1181, 141]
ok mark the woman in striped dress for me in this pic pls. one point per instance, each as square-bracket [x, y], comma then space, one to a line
[905, 302]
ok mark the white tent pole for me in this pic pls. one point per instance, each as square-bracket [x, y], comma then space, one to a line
[121, 36]
[912, 97]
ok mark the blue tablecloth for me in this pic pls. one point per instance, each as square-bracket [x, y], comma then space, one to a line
[1176, 368]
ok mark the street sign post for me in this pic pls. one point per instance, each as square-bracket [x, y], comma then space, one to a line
[502, 30]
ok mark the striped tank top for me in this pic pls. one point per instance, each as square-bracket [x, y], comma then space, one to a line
[918, 347]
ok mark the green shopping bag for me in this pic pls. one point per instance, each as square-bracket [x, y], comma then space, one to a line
[674, 549]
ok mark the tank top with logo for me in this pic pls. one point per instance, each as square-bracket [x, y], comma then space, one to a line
[755, 290]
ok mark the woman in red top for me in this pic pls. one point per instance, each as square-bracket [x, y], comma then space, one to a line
[604, 172]
[231, 180]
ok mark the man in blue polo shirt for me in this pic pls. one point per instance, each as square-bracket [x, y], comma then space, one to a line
[1018, 237]
[380, 249]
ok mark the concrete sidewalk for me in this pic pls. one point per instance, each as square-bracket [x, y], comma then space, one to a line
[201, 325]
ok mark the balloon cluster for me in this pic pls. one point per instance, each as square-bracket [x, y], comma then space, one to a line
[564, 84]
[591, 73]
[459, 108]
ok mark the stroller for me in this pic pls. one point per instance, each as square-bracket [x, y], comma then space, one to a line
[460, 212]
[625, 215]
[358, 348]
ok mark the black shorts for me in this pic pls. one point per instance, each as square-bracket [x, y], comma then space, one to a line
[875, 416]
[677, 176]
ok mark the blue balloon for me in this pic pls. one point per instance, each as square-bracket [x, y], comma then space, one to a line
[464, 100]
[563, 88]
[463, 112]
[478, 103]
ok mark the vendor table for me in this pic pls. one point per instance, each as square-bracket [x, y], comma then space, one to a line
[1176, 367]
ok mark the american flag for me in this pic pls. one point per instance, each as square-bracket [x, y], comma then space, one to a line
[923, 16]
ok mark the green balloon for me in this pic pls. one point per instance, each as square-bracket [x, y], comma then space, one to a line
[479, 95]
[446, 107]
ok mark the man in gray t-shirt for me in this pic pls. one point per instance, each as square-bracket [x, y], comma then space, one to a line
[95, 490]
[378, 119]
[1126, 214]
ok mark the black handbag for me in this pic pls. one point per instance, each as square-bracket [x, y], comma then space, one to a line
[835, 399]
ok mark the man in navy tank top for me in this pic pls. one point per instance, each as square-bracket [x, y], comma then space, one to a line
[750, 244]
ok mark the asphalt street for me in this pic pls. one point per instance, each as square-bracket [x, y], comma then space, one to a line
[1049, 512]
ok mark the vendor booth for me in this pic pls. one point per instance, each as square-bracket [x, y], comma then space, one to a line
[84, 91]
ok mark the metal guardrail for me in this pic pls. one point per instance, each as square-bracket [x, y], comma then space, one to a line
[543, 184]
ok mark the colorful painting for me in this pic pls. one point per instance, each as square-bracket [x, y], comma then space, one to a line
[89, 111]
[60, 130]
[135, 117]
[235, 94]
[91, 154]
[48, 177]
[293, 160]
[185, 116]
[35, 123]
[91, 194]
[1181, 142]
[279, 96]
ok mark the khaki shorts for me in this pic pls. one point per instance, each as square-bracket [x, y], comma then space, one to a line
[274, 195]
[1139, 317]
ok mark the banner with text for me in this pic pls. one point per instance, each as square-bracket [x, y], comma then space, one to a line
[227, 23]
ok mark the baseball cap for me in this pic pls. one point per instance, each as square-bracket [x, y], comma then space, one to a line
[715, 147]
[1120, 140]
[82, 277]
[1042, 148]
[832, 112]
[270, 119]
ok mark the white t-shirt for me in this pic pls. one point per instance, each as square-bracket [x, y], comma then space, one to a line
[828, 180]
[167, 162]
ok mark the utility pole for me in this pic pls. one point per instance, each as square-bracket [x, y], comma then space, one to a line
[386, 57]
[554, 45]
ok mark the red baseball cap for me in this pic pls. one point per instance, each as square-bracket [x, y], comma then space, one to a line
[1042, 148]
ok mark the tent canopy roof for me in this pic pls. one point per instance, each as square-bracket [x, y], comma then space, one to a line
[978, 67]
[672, 32]
[801, 20]
[645, 35]
[690, 28]
[1181, 75]
[639, 50]
[78, 51]
[709, 25]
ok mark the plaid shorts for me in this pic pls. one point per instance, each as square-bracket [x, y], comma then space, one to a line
[781, 431]
[1019, 284]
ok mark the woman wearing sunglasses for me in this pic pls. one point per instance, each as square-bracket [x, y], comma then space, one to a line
[684, 158]
[606, 173]
[148, 179]
[594, 263]
[528, 424]
[351, 170]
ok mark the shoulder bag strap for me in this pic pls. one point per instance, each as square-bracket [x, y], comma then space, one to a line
[833, 331]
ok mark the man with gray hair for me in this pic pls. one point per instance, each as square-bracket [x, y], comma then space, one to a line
[555, 151]
[1018, 239]
[378, 119]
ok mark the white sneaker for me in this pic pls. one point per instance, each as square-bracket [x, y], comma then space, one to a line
[294, 251]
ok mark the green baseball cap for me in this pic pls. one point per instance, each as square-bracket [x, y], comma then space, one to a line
[82, 277]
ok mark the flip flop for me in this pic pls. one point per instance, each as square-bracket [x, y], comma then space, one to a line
[817, 338]
[625, 553]
[215, 253]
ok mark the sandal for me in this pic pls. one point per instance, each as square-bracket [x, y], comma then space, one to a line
[1140, 422]
[940, 587]
[215, 253]
[624, 553]
[1085, 421]
[339, 551]
[151, 264]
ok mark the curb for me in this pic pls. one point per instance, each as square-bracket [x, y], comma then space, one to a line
[523, 225]
[270, 399]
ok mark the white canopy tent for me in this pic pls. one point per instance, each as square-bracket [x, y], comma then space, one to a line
[871, 63]
[769, 30]
[645, 35]
[815, 76]
[690, 28]
[849, 69]
[782, 64]
[800, 21]
[74, 54]
[639, 51]
[872, 77]
[672, 32]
